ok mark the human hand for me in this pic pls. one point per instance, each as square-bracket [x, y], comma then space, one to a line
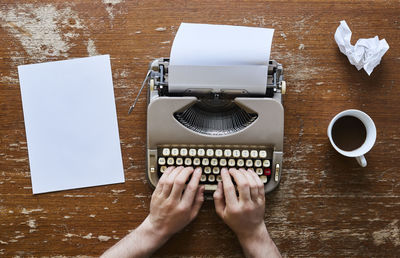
[172, 206]
[244, 214]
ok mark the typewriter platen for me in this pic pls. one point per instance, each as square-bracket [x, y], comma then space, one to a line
[212, 130]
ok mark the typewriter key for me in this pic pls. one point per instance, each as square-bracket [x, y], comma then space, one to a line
[222, 162]
[212, 187]
[218, 153]
[161, 161]
[179, 161]
[249, 163]
[201, 152]
[207, 170]
[214, 162]
[170, 161]
[264, 179]
[174, 152]
[236, 153]
[196, 162]
[184, 152]
[188, 162]
[263, 154]
[257, 163]
[259, 171]
[254, 154]
[166, 152]
[192, 152]
[215, 170]
[266, 163]
[211, 178]
[227, 153]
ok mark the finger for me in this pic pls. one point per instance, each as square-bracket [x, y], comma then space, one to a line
[179, 182]
[260, 185]
[192, 187]
[161, 182]
[169, 181]
[242, 184]
[198, 202]
[229, 188]
[219, 200]
[252, 183]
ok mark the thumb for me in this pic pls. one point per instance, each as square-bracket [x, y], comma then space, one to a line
[219, 200]
[198, 201]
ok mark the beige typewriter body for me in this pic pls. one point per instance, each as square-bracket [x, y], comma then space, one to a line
[258, 143]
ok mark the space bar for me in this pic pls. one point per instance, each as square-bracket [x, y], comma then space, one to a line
[210, 187]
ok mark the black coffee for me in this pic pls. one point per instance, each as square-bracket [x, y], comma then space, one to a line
[348, 133]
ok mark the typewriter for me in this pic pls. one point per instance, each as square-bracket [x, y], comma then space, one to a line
[213, 130]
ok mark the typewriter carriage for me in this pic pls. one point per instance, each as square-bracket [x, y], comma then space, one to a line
[158, 81]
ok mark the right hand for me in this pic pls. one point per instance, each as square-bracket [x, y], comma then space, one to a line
[243, 214]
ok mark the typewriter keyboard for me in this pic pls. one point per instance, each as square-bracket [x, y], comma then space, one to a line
[212, 160]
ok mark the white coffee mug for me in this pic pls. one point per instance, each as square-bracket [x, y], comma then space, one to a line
[369, 139]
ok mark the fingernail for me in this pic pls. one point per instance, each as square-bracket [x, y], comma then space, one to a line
[197, 170]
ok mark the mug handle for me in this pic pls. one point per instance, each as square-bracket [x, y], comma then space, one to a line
[361, 161]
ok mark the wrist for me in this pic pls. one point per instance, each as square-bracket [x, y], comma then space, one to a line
[258, 233]
[141, 242]
[157, 234]
[258, 243]
[256, 238]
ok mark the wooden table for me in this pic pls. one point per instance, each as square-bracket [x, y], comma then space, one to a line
[326, 204]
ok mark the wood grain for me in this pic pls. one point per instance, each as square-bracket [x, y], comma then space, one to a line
[325, 206]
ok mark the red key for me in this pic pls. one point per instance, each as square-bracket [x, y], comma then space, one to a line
[267, 171]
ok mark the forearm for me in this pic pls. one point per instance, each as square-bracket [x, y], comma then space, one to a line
[259, 244]
[142, 242]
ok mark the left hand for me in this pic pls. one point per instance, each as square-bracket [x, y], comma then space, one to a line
[172, 206]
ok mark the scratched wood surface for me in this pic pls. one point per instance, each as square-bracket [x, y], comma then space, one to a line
[325, 206]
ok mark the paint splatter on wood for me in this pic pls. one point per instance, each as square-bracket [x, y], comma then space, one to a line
[43, 30]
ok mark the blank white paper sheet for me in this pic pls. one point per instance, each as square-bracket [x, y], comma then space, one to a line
[220, 57]
[71, 124]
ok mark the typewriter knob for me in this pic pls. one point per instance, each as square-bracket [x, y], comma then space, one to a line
[283, 87]
[155, 65]
[151, 84]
